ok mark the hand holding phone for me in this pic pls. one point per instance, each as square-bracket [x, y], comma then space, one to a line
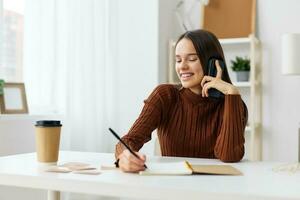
[212, 71]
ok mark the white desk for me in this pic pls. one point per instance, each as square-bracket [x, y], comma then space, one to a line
[258, 181]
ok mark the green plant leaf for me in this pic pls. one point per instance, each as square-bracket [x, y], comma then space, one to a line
[240, 64]
[1, 86]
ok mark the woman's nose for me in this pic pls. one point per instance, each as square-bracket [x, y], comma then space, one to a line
[183, 65]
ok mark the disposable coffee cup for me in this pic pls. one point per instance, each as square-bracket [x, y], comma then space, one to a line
[47, 135]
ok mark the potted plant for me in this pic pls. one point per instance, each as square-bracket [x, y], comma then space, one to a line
[242, 68]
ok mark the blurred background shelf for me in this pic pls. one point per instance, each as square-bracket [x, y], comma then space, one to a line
[248, 47]
[232, 41]
[242, 84]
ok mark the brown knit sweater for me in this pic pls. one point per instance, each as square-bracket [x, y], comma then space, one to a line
[189, 125]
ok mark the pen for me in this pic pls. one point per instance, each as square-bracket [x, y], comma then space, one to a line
[127, 147]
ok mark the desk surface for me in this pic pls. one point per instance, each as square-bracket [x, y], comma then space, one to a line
[258, 182]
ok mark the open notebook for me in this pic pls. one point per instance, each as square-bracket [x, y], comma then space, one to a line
[185, 168]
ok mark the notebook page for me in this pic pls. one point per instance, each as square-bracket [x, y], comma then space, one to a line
[175, 168]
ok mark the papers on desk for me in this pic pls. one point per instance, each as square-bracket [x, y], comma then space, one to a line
[185, 168]
[175, 168]
[75, 167]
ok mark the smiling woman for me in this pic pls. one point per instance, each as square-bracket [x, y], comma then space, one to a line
[188, 66]
[189, 122]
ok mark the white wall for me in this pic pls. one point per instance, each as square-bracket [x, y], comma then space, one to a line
[281, 96]
[169, 29]
[145, 28]
[137, 56]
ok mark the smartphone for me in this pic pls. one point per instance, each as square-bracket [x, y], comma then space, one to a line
[212, 71]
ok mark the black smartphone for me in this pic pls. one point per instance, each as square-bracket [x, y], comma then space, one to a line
[212, 71]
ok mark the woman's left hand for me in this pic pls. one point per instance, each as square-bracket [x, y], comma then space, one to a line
[217, 83]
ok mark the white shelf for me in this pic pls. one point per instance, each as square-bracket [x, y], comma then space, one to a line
[242, 84]
[235, 41]
[251, 47]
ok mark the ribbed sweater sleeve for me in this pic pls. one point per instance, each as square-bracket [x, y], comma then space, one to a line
[149, 119]
[189, 125]
[230, 141]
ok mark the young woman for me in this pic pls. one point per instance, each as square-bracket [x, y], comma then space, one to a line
[189, 123]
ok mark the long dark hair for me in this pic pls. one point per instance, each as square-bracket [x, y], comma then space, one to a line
[207, 46]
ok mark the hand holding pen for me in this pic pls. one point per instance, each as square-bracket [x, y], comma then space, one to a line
[129, 160]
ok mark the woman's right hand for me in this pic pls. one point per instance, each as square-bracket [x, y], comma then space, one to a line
[129, 163]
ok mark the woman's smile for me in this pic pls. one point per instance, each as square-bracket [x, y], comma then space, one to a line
[186, 76]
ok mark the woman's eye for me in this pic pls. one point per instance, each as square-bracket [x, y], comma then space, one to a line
[192, 59]
[178, 61]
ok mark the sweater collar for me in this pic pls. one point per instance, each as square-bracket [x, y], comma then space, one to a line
[193, 97]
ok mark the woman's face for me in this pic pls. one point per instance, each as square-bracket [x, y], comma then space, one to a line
[188, 66]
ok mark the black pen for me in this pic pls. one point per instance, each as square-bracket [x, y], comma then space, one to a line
[127, 147]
